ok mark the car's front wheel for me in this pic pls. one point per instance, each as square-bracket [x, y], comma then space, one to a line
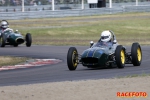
[72, 58]
[2, 41]
[28, 40]
[136, 54]
[120, 56]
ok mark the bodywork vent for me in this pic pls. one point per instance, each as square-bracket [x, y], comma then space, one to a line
[19, 40]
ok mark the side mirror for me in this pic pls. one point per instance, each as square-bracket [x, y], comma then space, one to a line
[115, 41]
[16, 31]
[91, 44]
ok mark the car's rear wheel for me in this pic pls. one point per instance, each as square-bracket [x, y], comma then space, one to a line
[136, 54]
[72, 58]
[28, 40]
[120, 56]
[2, 40]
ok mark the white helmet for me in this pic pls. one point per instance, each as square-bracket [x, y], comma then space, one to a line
[4, 24]
[106, 36]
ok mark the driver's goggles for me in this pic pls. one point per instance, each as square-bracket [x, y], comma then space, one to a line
[105, 37]
[4, 25]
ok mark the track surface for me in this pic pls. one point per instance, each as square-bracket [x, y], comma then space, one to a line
[60, 72]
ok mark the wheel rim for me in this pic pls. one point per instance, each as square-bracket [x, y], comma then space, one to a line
[74, 59]
[122, 57]
[139, 55]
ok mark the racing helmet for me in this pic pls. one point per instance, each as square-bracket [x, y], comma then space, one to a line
[106, 36]
[4, 24]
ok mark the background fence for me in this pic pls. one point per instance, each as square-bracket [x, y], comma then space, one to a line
[57, 2]
[43, 10]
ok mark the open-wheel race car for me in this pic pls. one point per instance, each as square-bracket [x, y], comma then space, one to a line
[9, 37]
[105, 55]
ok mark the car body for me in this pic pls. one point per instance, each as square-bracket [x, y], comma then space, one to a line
[9, 37]
[98, 55]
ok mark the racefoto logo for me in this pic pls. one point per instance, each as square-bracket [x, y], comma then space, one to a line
[132, 94]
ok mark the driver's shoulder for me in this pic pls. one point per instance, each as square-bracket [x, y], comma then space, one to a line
[110, 43]
[8, 29]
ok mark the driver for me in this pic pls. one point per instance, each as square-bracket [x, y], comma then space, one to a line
[106, 38]
[4, 25]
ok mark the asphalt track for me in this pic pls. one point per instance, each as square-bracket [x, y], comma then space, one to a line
[59, 72]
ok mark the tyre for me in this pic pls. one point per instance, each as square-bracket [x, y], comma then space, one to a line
[15, 45]
[2, 40]
[136, 54]
[120, 56]
[28, 40]
[72, 58]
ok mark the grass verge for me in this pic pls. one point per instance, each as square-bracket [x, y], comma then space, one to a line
[7, 60]
[128, 27]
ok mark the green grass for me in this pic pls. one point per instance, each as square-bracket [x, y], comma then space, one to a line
[128, 27]
[7, 60]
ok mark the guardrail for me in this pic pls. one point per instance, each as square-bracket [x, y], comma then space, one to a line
[72, 12]
[40, 7]
[61, 6]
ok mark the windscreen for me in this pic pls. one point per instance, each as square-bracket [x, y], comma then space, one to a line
[103, 44]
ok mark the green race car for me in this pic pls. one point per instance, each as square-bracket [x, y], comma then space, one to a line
[9, 37]
[100, 55]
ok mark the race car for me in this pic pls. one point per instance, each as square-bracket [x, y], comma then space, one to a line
[9, 37]
[98, 56]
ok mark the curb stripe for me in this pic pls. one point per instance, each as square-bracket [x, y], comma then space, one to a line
[36, 62]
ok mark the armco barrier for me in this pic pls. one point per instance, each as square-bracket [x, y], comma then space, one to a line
[70, 12]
